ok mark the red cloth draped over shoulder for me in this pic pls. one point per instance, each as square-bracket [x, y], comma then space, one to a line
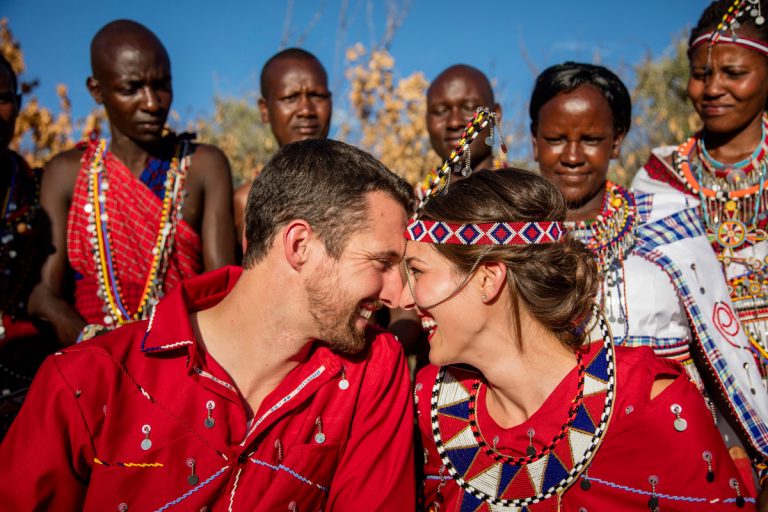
[134, 219]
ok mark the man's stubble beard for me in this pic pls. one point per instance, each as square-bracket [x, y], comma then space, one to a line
[332, 311]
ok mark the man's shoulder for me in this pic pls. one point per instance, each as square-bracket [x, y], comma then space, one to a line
[68, 161]
[60, 173]
[104, 352]
[208, 157]
[382, 355]
[384, 344]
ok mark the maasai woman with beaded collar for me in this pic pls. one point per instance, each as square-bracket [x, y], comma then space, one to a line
[654, 264]
[528, 404]
[721, 171]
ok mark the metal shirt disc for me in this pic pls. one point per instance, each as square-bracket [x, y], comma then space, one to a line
[343, 384]
[193, 480]
[146, 444]
[680, 424]
[209, 422]
[319, 438]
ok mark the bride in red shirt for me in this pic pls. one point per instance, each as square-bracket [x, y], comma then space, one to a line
[527, 404]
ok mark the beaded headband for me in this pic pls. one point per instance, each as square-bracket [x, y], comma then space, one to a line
[489, 233]
[730, 21]
[751, 44]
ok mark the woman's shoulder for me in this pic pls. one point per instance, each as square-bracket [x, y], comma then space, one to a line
[637, 368]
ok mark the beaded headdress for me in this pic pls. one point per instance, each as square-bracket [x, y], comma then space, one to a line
[489, 233]
[725, 32]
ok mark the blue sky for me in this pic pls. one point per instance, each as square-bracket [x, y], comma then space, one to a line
[218, 47]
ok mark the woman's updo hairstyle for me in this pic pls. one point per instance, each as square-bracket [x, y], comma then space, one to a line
[713, 15]
[557, 282]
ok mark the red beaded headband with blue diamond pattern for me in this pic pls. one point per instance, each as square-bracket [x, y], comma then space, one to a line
[487, 233]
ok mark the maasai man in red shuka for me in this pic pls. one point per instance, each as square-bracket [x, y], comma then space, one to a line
[134, 214]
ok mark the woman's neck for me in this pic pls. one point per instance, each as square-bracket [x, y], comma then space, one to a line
[735, 146]
[519, 381]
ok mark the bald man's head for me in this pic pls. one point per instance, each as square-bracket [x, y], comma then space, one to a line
[119, 34]
[452, 98]
[132, 79]
[468, 74]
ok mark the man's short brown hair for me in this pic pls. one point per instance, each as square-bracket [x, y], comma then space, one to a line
[324, 182]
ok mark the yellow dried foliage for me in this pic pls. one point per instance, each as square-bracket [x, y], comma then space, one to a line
[236, 128]
[389, 114]
[40, 133]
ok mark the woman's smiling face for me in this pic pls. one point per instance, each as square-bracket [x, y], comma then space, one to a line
[452, 324]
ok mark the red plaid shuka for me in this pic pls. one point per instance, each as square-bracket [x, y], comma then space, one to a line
[134, 217]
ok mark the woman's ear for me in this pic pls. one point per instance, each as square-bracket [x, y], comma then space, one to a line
[492, 279]
[616, 146]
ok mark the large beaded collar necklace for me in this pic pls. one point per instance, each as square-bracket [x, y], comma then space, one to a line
[610, 237]
[109, 290]
[732, 196]
[734, 207]
[503, 480]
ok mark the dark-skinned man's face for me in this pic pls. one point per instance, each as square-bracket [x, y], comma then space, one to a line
[135, 88]
[451, 101]
[297, 103]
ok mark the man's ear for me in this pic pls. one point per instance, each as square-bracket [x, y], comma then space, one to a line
[492, 278]
[94, 87]
[296, 236]
[264, 110]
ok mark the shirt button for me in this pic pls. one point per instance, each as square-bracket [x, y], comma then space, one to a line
[204, 509]
[123, 507]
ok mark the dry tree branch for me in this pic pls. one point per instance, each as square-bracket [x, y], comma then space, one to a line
[286, 25]
[312, 23]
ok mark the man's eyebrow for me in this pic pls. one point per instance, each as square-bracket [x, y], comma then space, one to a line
[386, 255]
[411, 259]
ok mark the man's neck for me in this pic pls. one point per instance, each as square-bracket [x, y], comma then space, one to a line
[256, 343]
[132, 154]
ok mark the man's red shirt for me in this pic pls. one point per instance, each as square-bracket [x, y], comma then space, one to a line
[80, 441]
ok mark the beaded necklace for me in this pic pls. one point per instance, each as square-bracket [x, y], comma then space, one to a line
[734, 207]
[610, 237]
[109, 290]
[502, 480]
